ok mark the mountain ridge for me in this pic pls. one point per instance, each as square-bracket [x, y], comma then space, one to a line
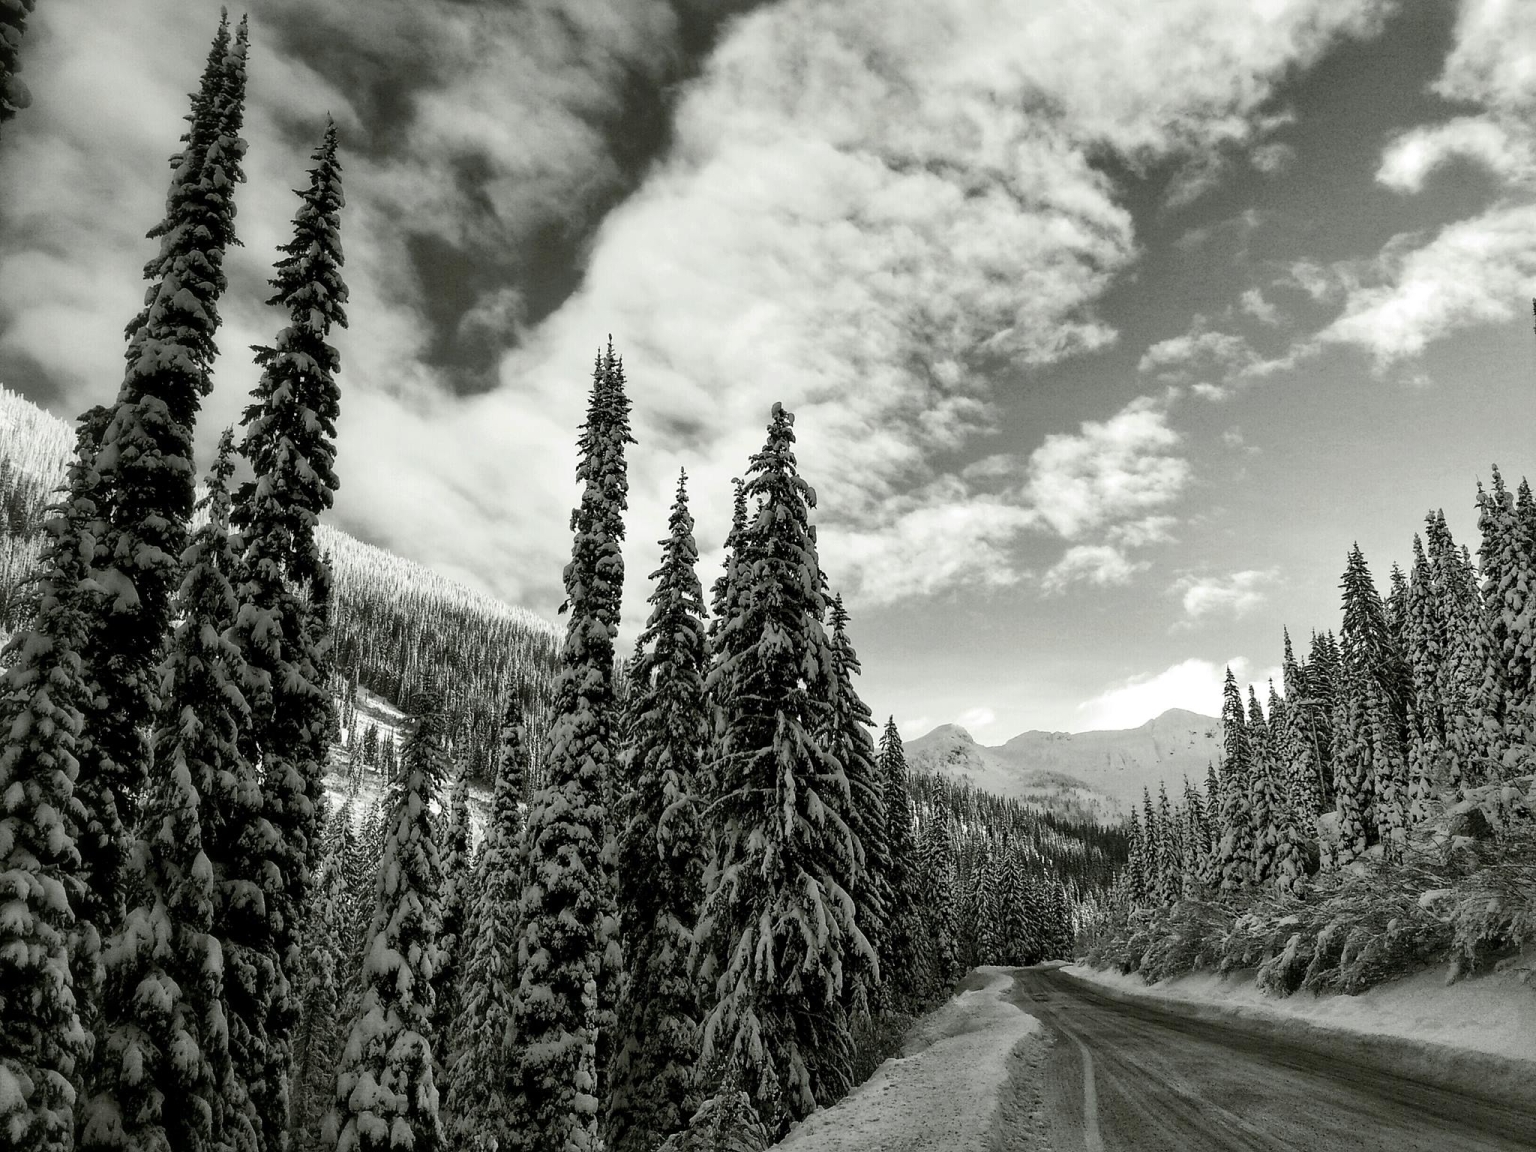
[1101, 771]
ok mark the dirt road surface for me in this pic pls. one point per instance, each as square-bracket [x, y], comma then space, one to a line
[1127, 1077]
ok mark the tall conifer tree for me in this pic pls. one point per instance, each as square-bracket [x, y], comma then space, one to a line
[1234, 853]
[284, 589]
[846, 737]
[778, 915]
[144, 482]
[899, 957]
[569, 933]
[660, 865]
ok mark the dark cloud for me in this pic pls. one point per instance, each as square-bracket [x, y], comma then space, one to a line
[618, 88]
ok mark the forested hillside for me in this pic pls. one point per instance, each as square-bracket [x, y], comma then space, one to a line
[1377, 811]
[397, 624]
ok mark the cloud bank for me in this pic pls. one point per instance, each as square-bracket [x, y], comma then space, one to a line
[880, 213]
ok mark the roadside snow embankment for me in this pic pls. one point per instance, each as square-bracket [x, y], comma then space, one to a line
[1478, 1034]
[941, 1093]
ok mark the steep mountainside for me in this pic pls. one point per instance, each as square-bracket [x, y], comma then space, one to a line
[1102, 772]
[398, 624]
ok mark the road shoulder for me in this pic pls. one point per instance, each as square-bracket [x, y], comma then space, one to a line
[942, 1093]
[1477, 1036]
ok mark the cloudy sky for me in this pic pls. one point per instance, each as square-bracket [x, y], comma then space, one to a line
[1108, 325]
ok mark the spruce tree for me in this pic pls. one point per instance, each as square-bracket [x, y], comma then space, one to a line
[1234, 853]
[778, 915]
[163, 1076]
[1170, 871]
[936, 902]
[1138, 868]
[13, 25]
[846, 737]
[479, 1105]
[1502, 707]
[1300, 745]
[569, 930]
[660, 865]
[327, 952]
[386, 1091]
[43, 1046]
[900, 950]
[1196, 844]
[1263, 791]
[284, 586]
[456, 884]
[144, 482]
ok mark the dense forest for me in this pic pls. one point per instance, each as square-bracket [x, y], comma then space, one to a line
[1379, 813]
[704, 902]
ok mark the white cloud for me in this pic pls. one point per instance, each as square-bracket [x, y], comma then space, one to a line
[1475, 271]
[866, 208]
[1108, 471]
[1253, 303]
[975, 718]
[1098, 565]
[1193, 684]
[1493, 59]
[1234, 595]
[912, 729]
[1412, 156]
[1272, 159]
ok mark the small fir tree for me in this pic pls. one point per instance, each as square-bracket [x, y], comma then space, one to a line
[386, 1091]
[900, 958]
[479, 1104]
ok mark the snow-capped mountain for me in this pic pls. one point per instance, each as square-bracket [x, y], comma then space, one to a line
[1100, 772]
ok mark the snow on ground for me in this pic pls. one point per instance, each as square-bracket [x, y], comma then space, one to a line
[1493, 1013]
[941, 1093]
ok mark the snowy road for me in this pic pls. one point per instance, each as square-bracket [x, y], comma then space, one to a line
[1127, 1077]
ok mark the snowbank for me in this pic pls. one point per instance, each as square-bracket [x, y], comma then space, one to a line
[940, 1094]
[1478, 1034]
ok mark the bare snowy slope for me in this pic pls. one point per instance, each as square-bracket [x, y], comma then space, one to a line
[1104, 772]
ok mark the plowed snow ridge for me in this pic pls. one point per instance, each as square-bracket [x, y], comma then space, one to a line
[940, 1094]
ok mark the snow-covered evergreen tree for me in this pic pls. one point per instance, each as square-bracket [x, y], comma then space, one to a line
[901, 954]
[327, 952]
[456, 885]
[660, 863]
[1234, 852]
[145, 479]
[163, 1076]
[1138, 866]
[1170, 878]
[479, 1106]
[284, 586]
[386, 1091]
[569, 942]
[43, 1045]
[1300, 744]
[778, 915]
[846, 736]
[1502, 707]
[936, 904]
[13, 25]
